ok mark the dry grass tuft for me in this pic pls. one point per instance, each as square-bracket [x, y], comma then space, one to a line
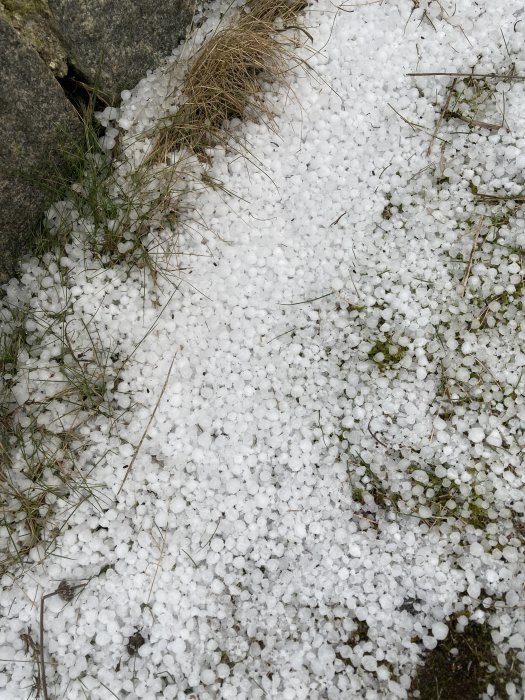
[273, 10]
[224, 81]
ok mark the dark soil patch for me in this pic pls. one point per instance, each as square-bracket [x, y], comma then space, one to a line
[462, 666]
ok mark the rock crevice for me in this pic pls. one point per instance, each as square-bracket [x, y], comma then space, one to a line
[110, 43]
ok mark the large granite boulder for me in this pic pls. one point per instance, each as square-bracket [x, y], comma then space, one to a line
[37, 126]
[113, 43]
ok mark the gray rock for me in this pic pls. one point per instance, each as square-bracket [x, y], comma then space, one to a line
[37, 125]
[34, 23]
[113, 43]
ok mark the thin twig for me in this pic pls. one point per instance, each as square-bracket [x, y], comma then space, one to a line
[212, 535]
[474, 76]
[374, 435]
[450, 114]
[59, 591]
[297, 28]
[190, 558]
[363, 517]
[149, 423]
[42, 660]
[442, 160]
[505, 42]
[358, 4]
[161, 554]
[307, 301]
[340, 217]
[321, 427]
[487, 369]
[486, 197]
[471, 257]
[413, 125]
[291, 330]
[441, 116]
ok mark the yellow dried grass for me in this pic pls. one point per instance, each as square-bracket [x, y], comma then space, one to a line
[224, 80]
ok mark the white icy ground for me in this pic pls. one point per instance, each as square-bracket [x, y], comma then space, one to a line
[294, 482]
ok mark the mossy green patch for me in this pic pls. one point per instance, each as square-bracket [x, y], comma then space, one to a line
[422, 491]
[386, 353]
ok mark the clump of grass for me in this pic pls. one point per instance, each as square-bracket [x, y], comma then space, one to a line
[122, 213]
[470, 99]
[12, 340]
[46, 400]
[80, 158]
[34, 484]
[224, 81]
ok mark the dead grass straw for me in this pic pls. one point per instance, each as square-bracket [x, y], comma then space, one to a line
[224, 80]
